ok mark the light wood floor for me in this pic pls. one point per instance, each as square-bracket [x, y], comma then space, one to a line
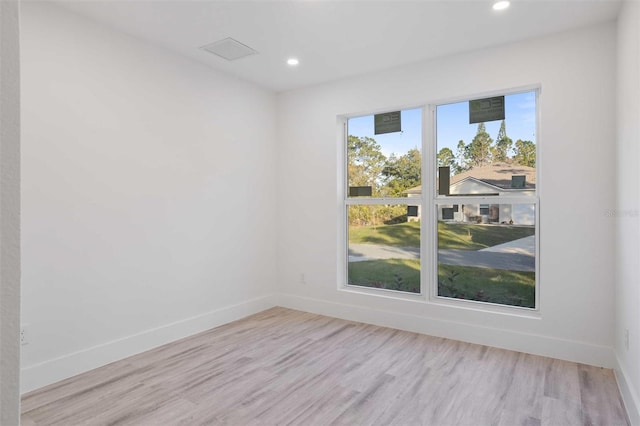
[288, 367]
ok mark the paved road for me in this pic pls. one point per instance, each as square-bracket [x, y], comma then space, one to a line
[518, 255]
[483, 259]
[360, 252]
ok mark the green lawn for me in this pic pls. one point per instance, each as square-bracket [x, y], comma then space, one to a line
[405, 234]
[392, 274]
[475, 237]
[461, 282]
[450, 235]
[487, 285]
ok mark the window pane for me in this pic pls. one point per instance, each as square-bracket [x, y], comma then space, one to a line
[384, 164]
[493, 158]
[384, 247]
[487, 257]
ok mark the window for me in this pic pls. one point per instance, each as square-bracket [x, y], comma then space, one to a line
[478, 214]
[384, 173]
[487, 252]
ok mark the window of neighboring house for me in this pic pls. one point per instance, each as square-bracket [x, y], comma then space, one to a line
[383, 199]
[447, 213]
[487, 252]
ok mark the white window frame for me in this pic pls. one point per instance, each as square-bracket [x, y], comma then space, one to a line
[346, 201]
[428, 202]
[429, 181]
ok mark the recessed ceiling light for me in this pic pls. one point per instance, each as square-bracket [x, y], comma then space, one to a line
[293, 62]
[501, 5]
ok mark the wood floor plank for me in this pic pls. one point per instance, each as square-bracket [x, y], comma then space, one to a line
[556, 412]
[523, 404]
[562, 381]
[599, 396]
[283, 367]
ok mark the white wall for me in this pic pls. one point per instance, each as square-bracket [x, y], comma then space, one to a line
[627, 212]
[9, 212]
[148, 195]
[576, 71]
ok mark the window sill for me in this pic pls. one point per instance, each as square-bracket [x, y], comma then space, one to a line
[459, 304]
[472, 305]
[384, 293]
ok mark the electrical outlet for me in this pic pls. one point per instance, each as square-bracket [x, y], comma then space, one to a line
[626, 339]
[24, 335]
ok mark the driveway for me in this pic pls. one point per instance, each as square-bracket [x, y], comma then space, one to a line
[526, 245]
[484, 259]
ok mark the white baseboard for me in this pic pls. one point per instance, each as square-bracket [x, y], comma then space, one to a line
[629, 394]
[586, 353]
[54, 370]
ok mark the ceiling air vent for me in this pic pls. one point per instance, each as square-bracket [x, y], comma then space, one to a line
[229, 49]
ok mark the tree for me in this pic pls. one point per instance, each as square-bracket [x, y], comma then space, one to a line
[525, 153]
[403, 172]
[478, 152]
[446, 158]
[365, 162]
[503, 145]
[461, 155]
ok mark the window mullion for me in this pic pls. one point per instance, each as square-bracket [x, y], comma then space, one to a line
[383, 201]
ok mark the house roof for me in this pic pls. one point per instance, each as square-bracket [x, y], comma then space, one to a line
[496, 174]
[499, 174]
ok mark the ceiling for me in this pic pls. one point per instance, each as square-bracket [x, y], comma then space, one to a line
[336, 39]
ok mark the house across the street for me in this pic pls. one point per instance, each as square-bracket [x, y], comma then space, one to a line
[498, 179]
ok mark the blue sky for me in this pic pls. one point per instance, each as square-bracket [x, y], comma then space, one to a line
[452, 125]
